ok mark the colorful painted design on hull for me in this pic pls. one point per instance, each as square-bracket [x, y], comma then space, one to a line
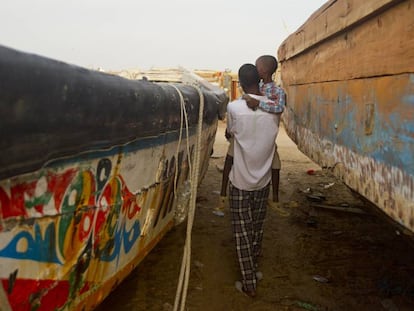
[92, 175]
[72, 231]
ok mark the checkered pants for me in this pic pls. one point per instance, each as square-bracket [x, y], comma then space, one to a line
[248, 211]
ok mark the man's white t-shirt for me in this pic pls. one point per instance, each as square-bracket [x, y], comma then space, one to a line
[254, 135]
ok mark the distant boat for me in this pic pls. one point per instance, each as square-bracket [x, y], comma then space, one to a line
[349, 76]
[92, 175]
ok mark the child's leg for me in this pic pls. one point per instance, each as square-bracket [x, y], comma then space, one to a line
[275, 184]
[276, 165]
[228, 163]
[274, 204]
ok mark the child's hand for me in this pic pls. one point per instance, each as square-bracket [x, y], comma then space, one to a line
[227, 134]
[251, 102]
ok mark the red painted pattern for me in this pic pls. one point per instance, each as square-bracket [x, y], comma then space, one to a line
[37, 295]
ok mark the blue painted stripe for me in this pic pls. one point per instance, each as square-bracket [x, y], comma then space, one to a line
[139, 144]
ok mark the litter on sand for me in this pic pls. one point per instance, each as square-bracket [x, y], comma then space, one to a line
[328, 185]
[320, 279]
[307, 190]
[316, 197]
[354, 210]
[218, 213]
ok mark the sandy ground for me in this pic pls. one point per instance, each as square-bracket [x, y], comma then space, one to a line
[313, 259]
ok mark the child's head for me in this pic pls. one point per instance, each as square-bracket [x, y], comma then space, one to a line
[266, 65]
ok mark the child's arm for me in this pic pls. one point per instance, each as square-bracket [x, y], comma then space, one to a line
[275, 104]
[227, 134]
[229, 122]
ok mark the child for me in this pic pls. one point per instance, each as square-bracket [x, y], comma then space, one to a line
[266, 66]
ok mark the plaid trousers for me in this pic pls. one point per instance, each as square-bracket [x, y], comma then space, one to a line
[248, 212]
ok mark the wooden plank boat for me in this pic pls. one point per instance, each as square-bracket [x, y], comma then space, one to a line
[88, 170]
[349, 76]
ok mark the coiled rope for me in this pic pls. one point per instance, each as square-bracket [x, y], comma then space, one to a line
[194, 170]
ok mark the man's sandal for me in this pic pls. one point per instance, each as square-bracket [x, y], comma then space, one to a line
[249, 293]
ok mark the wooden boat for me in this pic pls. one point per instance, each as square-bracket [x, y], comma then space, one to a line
[92, 175]
[349, 76]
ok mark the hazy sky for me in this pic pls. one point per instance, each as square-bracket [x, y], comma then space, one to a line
[126, 34]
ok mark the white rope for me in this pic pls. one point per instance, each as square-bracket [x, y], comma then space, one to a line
[182, 287]
[183, 118]
[183, 113]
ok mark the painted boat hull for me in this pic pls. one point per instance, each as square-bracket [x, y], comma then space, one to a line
[88, 168]
[349, 77]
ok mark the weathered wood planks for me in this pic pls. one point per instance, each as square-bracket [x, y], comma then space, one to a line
[368, 51]
[332, 18]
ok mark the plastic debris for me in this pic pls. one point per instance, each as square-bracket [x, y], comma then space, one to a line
[329, 185]
[316, 197]
[218, 213]
[320, 279]
[310, 172]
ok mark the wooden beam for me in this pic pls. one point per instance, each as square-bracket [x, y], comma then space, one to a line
[383, 46]
[333, 17]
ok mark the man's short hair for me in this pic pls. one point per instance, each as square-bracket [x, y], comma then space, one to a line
[248, 75]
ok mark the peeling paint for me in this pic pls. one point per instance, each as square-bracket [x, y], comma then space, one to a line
[350, 102]
[388, 187]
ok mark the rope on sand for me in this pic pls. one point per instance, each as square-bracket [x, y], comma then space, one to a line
[182, 287]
